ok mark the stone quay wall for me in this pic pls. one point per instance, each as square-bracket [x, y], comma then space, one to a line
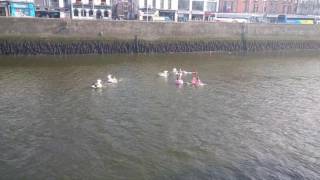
[32, 36]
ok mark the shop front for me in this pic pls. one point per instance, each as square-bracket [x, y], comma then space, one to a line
[183, 17]
[197, 16]
[43, 13]
[147, 14]
[4, 9]
[209, 16]
[170, 14]
[20, 9]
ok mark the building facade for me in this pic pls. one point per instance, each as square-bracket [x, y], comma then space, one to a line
[124, 9]
[177, 10]
[53, 8]
[154, 10]
[308, 7]
[196, 10]
[91, 9]
[52, 4]
[229, 6]
[273, 6]
[259, 6]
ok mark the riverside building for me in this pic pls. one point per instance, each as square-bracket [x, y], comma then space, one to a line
[176, 10]
[91, 9]
[124, 9]
[17, 8]
[259, 6]
[53, 8]
[196, 10]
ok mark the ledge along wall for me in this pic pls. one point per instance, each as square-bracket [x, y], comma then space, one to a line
[31, 36]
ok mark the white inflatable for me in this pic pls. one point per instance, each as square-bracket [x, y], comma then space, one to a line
[163, 74]
[112, 80]
[97, 84]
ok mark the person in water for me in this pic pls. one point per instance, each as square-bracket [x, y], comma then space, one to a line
[179, 80]
[179, 76]
[199, 83]
[194, 78]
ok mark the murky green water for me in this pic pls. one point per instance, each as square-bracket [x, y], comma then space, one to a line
[258, 118]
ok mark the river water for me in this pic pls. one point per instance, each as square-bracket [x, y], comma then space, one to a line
[258, 117]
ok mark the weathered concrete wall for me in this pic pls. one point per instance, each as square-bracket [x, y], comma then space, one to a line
[115, 29]
[83, 29]
[25, 36]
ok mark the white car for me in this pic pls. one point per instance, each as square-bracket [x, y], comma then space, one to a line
[231, 20]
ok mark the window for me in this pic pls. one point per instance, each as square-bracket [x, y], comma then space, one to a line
[212, 6]
[255, 8]
[2, 11]
[161, 4]
[197, 5]
[154, 3]
[289, 10]
[65, 2]
[284, 8]
[169, 4]
[91, 13]
[227, 6]
[83, 13]
[106, 14]
[145, 3]
[183, 4]
[99, 14]
[76, 12]
[103, 1]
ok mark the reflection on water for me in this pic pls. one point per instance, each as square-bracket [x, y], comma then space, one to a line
[258, 117]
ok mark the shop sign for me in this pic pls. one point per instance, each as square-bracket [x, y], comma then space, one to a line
[16, 5]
